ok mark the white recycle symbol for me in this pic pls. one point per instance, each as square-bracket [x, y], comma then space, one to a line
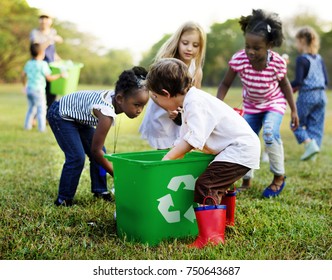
[166, 201]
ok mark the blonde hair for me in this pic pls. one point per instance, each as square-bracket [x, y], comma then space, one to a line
[170, 48]
[310, 37]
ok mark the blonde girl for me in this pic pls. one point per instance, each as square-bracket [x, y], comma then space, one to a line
[160, 127]
[311, 81]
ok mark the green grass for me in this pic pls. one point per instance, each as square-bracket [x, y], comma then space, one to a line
[297, 225]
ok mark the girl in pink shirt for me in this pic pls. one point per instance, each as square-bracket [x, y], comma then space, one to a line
[266, 89]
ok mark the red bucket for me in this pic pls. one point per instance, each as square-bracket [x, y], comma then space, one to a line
[230, 201]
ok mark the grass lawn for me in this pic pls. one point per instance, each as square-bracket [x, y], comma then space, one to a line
[297, 225]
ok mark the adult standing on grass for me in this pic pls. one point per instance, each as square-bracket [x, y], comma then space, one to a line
[160, 127]
[81, 121]
[311, 81]
[266, 89]
[214, 128]
[35, 74]
[47, 37]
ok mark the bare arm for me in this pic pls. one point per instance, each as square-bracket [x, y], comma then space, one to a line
[226, 83]
[54, 77]
[58, 39]
[178, 151]
[24, 78]
[98, 141]
[286, 88]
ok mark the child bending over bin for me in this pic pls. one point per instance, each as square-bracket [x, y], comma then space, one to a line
[213, 127]
[80, 122]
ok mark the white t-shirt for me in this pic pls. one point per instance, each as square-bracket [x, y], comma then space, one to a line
[157, 128]
[210, 125]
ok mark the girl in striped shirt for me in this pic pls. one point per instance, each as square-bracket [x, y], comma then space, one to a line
[266, 89]
[81, 121]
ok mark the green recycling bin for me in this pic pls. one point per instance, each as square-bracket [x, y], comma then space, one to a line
[63, 86]
[154, 198]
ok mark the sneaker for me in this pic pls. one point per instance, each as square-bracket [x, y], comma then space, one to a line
[63, 202]
[311, 148]
[313, 158]
[105, 196]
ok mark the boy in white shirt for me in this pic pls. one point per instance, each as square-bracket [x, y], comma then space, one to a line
[209, 125]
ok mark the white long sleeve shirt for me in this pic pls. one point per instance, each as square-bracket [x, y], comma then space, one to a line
[210, 125]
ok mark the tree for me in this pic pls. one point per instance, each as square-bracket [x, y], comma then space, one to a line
[326, 52]
[223, 41]
[15, 23]
[17, 20]
[149, 57]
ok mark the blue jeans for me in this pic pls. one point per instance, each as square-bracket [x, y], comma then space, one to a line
[75, 141]
[311, 110]
[36, 104]
[270, 122]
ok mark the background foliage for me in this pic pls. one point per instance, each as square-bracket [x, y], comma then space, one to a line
[102, 65]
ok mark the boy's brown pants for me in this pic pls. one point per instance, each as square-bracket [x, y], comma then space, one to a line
[216, 179]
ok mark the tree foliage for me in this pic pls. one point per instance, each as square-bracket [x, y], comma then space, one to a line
[102, 66]
[148, 57]
[17, 20]
[223, 40]
[15, 23]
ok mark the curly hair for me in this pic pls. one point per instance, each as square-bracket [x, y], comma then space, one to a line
[264, 24]
[130, 80]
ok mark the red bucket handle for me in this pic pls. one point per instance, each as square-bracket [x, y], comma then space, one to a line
[215, 202]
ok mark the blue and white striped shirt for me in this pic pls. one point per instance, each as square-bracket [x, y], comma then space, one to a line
[78, 106]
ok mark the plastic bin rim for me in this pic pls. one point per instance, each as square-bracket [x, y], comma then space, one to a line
[57, 64]
[119, 156]
[210, 207]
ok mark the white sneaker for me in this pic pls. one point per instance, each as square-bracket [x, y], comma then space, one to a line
[311, 149]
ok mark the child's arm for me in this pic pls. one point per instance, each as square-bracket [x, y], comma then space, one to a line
[54, 77]
[226, 83]
[286, 88]
[24, 78]
[24, 81]
[178, 151]
[58, 39]
[98, 141]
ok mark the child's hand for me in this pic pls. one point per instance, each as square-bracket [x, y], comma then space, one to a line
[24, 90]
[294, 121]
[173, 114]
[166, 158]
[64, 75]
